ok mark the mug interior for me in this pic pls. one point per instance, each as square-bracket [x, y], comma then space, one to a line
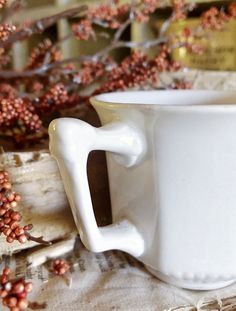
[168, 98]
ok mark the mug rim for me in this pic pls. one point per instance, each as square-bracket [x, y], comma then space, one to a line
[213, 99]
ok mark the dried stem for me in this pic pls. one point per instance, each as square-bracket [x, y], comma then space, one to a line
[121, 30]
[40, 25]
[62, 40]
[37, 305]
[12, 74]
[165, 26]
[48, 83]
[11, 10]
[38, 240]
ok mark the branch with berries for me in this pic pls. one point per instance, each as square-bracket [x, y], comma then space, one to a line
[14, 292]
[49, 83]
[10, 218]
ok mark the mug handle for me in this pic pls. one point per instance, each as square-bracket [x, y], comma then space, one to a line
[71, 140]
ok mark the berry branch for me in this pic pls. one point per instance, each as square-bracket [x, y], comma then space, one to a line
[50, 83]
[10, 218]
[39, 26]
[14, 292]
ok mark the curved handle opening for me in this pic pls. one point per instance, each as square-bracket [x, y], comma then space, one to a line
[123, 139]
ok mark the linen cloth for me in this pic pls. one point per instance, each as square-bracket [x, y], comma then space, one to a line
[113, 281]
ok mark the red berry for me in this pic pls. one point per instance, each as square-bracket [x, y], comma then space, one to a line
[10, 239]
[22, 304]
[6, 271]
[19, 231]
[22, 238]
[3, 293]
[11, 302]
[28, 287]
[18, 288]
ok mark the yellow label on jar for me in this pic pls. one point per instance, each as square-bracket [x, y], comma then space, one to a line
[219, 47]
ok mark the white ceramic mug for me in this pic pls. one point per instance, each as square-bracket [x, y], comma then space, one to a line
[172, 173]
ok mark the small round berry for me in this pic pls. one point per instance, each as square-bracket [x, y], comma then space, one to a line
[6, 185]
[18, 288]
[17, 197]
[28, 227]
[6, 271]
[16, 216]
[19, 231]
[28, 287]
[11, 302]
[22, 238]
[13, 224]
[7, 231]
[8, 286]
[22, 295]
[13, 204]
[3, 293]
[22, 304]
[10, 239]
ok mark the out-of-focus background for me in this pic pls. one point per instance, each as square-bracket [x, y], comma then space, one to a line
[220, 48]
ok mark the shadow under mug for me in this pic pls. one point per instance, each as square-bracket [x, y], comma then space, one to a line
[171, 158]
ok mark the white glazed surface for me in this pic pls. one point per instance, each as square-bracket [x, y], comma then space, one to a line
[172, 175]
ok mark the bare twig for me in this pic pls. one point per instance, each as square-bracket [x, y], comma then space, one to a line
[121, 30]
[144, 44]
[39, 240]
[62, 40]
[40, 256]
[12, 9]
[12, 74]
[40, 25]
[37, 305]
[165, 26]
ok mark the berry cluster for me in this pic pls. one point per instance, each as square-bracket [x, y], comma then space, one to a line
[83, 30]
[179, 9]
[232, 9]
[50, 83]
[7, 91]
[9, 218]
[60, 266]
[131, 72]
[37, 56]
[105, 15]
[137, 70]
[163, 61]
[14, 292]
[144, 9]
[56, 96]
[21, 117]
[181, 85]
[6, 30]
[89, 72]
[108, 15]
[113, 16]
[5, 58]
[2, 3]
[18, 112]
[215, 18]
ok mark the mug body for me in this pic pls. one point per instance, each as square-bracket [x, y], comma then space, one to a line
[182, 195]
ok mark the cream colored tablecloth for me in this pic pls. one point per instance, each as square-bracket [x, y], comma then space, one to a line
[114, 281]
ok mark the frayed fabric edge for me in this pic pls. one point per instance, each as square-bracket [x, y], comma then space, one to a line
[209, 304]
